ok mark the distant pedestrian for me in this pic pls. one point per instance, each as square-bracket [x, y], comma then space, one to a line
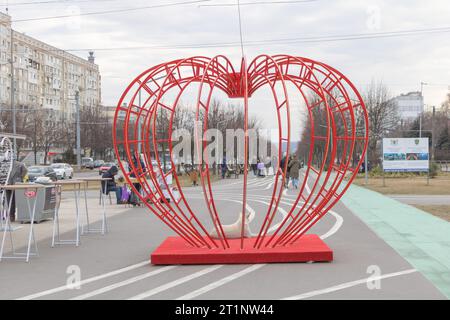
[282, 166]
[224, 167]
[261, 169]
[254, 166]
[294, 171]
[193, 175]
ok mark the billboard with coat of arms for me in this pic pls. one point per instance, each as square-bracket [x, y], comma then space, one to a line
[406, 155]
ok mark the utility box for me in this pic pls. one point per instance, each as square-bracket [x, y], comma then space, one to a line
[45, 205]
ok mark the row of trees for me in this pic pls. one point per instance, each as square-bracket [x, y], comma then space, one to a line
[221, 116]
[46, 130]
[384, 122]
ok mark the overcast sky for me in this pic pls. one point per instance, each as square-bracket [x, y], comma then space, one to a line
[401, 62]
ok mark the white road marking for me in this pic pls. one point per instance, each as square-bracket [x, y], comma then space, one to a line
[198, 292]
[337, 225]
[122, 283]
[348, 285]
[220, 282]
[270, 185]
[175, 283]
[308, 189]
[89, 280]
[234, 276]
[335, 228]
[263, 182]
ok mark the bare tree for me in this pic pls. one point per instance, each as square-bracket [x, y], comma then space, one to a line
[383, 115]
[96, 130]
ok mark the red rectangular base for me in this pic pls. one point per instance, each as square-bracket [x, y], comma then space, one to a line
[175, 250]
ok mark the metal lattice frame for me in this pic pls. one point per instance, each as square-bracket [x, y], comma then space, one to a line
[341, 148]
[6, 165]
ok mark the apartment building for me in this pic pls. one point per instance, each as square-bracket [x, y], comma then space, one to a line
[45, 76]
[409, 106]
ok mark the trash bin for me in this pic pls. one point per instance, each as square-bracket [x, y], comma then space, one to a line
[45, 206]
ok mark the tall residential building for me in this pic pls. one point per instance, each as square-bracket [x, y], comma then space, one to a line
[45, 76]
[409, 106]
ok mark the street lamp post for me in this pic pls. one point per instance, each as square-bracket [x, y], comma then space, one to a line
[13, 105]
[77, 106]
[423, 106]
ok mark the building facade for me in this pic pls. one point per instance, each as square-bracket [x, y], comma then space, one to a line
[44, 76]
[409, 106]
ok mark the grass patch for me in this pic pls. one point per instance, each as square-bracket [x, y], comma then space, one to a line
[413, 184]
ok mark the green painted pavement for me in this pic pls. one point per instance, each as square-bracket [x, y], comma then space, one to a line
[421, 238]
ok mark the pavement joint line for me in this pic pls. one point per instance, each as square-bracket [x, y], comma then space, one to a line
[122, 283]
[83, 282]
[347, 285]
[175, 283]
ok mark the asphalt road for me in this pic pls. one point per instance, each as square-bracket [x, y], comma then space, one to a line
[116, 266]
[423, 199]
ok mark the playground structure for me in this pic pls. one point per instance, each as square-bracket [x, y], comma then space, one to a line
[338, 134]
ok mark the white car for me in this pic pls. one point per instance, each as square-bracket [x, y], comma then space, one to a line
[63, 170]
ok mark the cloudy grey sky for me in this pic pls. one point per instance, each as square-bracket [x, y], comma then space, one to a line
[401, 62]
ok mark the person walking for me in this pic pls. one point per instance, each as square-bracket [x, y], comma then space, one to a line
[18, 173]
[282, 164]
[294, 171]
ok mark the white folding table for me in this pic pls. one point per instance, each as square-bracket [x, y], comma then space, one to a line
[76, 184]
[104, 227]
[30, 191]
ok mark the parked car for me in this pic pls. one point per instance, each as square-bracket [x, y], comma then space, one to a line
[63, 170]
[41, 171]
[105, 167]
[87, 163]
[98, 163]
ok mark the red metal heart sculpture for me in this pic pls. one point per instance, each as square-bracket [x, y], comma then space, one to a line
[337, 132]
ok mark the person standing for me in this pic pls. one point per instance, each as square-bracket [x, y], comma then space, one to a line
[294, 171]
[282, 164]
[224, 167]
[193, 174]
[18, 173]
[254, 166]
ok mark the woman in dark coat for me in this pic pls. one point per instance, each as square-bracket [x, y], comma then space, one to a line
[294, 171]
[110, 185]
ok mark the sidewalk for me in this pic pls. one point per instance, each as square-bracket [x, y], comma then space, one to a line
[422, 239]
[67, 218]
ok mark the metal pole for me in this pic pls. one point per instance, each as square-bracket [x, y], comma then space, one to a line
[420, 125]
[366, 178]
[382, 161]
[77, 105]
[432, 133]
[139, 127]
[35, 138]
[423, 107]
[13, 107]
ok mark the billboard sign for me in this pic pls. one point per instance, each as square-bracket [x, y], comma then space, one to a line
[406, 155]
